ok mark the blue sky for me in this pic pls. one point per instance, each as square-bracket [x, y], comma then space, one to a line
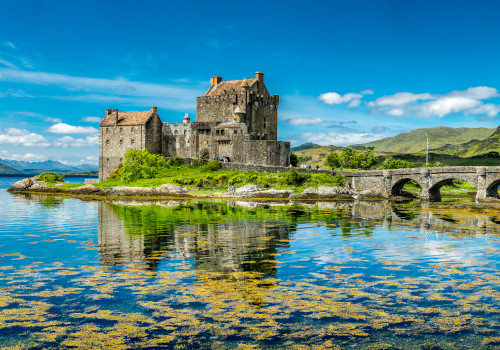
[346, 71]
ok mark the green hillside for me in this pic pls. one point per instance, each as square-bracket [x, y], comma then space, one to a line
[487, 145]
[304, 146]
[442, 139]
[5, 169]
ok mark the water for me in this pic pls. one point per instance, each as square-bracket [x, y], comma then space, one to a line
[215, 274]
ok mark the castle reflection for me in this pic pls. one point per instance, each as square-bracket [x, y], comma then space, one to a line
[246, 236]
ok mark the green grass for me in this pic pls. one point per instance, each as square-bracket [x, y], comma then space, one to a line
[198, 177]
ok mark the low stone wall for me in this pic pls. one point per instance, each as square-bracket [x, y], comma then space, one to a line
[271, 169]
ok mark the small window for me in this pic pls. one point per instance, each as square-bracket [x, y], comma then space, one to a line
[222, 132]
[107, 159]
[107, 142]
[121, 142]
[107, 130]
[132, 141]
[235, 131]
[121, 130]
[132, 129]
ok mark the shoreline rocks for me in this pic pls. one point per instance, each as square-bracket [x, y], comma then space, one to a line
[169, 190]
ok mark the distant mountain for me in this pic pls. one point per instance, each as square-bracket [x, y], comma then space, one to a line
[5, 169]
[442, 139]
[49, 165]
[304, 146]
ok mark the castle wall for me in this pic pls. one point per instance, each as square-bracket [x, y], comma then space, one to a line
[114, 142]
[265, 152]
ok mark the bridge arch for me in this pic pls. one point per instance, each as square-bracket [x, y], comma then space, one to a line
[397, 188]
[492, 189]
[440, 181]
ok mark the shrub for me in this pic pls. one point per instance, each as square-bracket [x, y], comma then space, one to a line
[295, 178]
[214, 165]
[115, 173]
[391, 163]
[294, 159]
[140, 164]
[432, 165]
[51, 177]
[204, 156]
[352, 158]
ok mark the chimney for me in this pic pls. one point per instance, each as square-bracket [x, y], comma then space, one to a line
[215, 80]
[154, 110]
[107, 111]
[186, 119]
[260, 77]
[115, 115]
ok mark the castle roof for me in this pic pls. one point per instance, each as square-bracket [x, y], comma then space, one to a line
[127, 118]
[226, 86]
[228, 125]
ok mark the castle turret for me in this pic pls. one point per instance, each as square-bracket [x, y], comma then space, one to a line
[186, 119]
[239, 115]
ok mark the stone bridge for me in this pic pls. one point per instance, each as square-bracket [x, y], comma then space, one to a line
[390, 182]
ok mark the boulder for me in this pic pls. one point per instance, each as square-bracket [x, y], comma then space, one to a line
[86, 189]
[171, 189]
[21, 185]
[246, 190]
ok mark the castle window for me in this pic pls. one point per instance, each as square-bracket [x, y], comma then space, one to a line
[132, 141]
[107, 142]
[107, 130]
[235, 131]
[107, 159]
[222, 132]
[121, 160]
[121, 142]
[185, 132]
[217, 132]
[121, 130]
[132, 129]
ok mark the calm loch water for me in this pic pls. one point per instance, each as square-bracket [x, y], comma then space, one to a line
[127, 274]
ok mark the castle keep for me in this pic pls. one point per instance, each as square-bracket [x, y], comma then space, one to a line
[237, 119]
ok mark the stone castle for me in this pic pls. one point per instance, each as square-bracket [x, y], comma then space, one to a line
[237, 119]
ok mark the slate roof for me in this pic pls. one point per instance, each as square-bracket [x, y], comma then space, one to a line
[127, 118]
[227, 85]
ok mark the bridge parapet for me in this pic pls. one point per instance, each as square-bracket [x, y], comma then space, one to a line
[390, 182]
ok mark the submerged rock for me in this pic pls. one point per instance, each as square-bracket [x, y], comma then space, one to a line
[86, 189]
[21, 185]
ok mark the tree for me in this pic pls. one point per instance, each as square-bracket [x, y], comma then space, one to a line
[391, 163]
[140, 164]
[352, 158]
[294, 159]
[204, 156]
[333, 160]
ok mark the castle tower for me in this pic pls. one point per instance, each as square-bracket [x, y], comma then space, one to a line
[186, 119]
[239, 115]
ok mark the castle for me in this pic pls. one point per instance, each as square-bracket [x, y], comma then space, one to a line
[237, 119]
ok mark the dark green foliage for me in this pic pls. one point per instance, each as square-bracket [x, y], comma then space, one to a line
[204, 156]
[51, 177]
[174, 161]
[333, 160]
[432, 165]
[294, 159]
[352, 159]
[140, 164]
[295, 178]
[391, 163]
[214, 165]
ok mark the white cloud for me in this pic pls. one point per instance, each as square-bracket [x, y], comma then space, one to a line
[63, 128]
[22, 137]
[352, 99]
[304, 121]
[14, 93]
[7, 63]
[69, 141]
[27, 157]
[399, 99]
[9, 44]
[52, 120]
[425, 105]
[109, 90]
[91, 119]
[333, 138]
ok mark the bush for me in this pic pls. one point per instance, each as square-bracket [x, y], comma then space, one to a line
[432, 165]
[51, 177]
[352, 158]
[391, 163]
[204, 156]
[140, 164]
[294, 178]
[214, 165]
[294, 159]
